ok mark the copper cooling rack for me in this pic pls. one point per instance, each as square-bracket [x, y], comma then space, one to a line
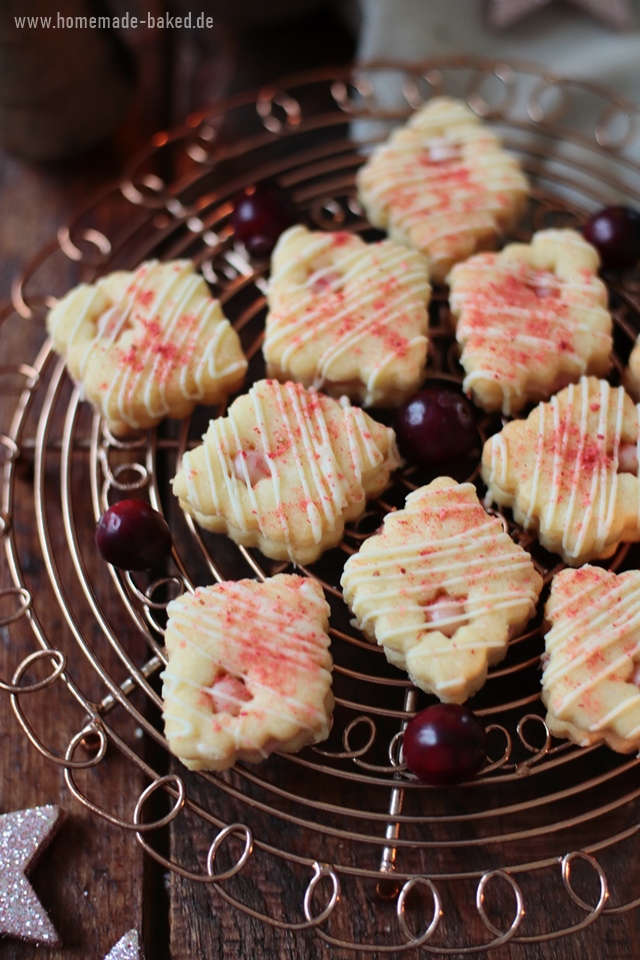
[354, 829]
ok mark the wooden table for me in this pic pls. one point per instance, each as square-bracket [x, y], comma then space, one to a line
[95, 880]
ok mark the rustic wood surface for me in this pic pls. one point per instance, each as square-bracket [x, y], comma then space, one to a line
[94, 880]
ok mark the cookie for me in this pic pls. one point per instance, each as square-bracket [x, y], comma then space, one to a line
[570, 471]
[442, 589]
[631, 377]
[148, 344]
[285, 469]
[592, 660]
[443, 184]
[530, 319]
[249, 671]
[347, 317]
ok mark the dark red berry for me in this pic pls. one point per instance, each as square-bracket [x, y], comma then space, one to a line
[133, 536]
[260, 214]
[445, 744]
[436, 425]
[615, 233]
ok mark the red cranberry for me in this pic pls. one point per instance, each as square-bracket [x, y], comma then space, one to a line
[444, 744]
[436, 425]
[260, 214]
[615, 233]
[133, 536]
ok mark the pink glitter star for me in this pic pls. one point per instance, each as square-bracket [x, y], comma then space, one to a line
[24, 835]
[127, 948]
[504, 13]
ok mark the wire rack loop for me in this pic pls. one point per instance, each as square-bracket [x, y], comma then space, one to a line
[93, 736]
[112, 476]
[16, 688]
[407, 888]
[30, 374]
[349, 752]
[95, 729]
[433, 845]
[548, 101]
[232, 830]
[25, 600]
[592, 912]
[567, 861]
[519, 912]
[29, 307]
[354, 96]
[478, 92]
[321, 871]
[94, 238]
[605, 132]
[136, 825]
[538, 753]
[11, 450]
[177, 584]
[414, 83]
[162, 783]
[502, 761]
[273, 104]
[205, 877]
[149, 191]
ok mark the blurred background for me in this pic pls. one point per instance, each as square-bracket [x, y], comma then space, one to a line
[65, 88]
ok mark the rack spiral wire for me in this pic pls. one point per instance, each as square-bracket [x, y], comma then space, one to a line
[359, 832]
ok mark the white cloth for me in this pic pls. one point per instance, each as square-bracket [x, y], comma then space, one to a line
[561, 37]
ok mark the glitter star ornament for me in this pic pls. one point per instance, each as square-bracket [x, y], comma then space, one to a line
[24, 836]
[127, 948]
[505, 13]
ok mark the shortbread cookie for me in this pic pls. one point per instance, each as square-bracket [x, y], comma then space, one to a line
[347, 317]
[147, 345]
[531, 319]
[632, 372]
[249, 671]
[442, 589]
[285, 469]
[570, 471]
[592, 661]
[443, 184]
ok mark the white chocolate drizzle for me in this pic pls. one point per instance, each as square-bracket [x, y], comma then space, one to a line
[298, 432]
[592, 647]
[273, 646]
[520, 327]
[430, 198]
[449, 563]
[575, 474]
[345, 305]
[151, 331]
[473, 567]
